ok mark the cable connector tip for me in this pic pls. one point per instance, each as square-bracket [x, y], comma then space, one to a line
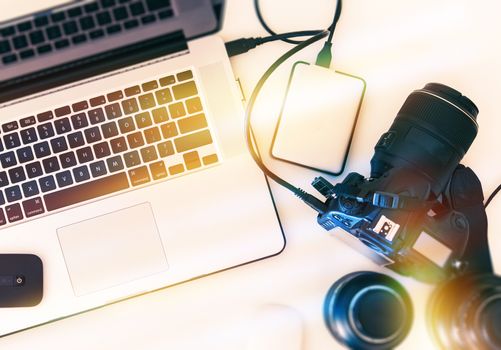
[324, 57]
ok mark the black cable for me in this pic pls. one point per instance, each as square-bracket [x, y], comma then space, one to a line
[270, 31]
[312, 201]
[491, 197]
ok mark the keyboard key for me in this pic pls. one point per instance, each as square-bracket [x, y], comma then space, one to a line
[34, 170]
[4, 46]
[130, 24]
[158, 170]
[79, 121]
[81, 173]
[109, 129]
[148, 154]
[165, 149]
[59, 144]
[194, 105]
[47, 183]
[75, 12]
[20, 42]
[167, 80]
[17, 175]
[92, 134]
[43, 117]
[152, 135]
[43, 49]
[41, 21]
[41, 149]
[28, 135]
[96, 116]
[53, 32]
[192, 160]
[2, 202]
[25, 154]
[97, 101]
[113, 29]
[126, 125]
[14, 212]
[50, 165]
[62, 111]
[101, 149]
[37, 37]
[130, 106]
[11, 126]
[70, 28]
[194, 140]
[118, 145]
[86, 191]
[9, 59]
[113, 111]
[27, 54]
[148, 19]
[95, 34]
[27, 121]
[87, 23]
[135, 140]
[154, 5]
[137, 9]
[58, 17]
[68, 160]
[133, 90]
[163, 96]
[45, 130]
[3, 219]
[192, 123]
[147, 101]
[131, 159]
[139, 176]
[169, 130]
[85, 155]
[76, 139]
[1, 145]
[143, 120]
[176, 110]
[8, 159]
[30, 188]
[184, 90]
[64, 178]
[13, 194]
[4, 180]
[33, 207]
[79, 39]
[80, 106]
[91, 7]
[151, 85]
[120, 13]
[8, 31]
[176, 169]
[103, 18]
[61, 44]
[107, 3]
[160, 115]
[115, 164]
[165, 14]
[98, 168]
[115, 96]
[62, 125]
[184, 75]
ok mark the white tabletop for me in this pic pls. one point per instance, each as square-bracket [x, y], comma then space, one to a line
[397, 46]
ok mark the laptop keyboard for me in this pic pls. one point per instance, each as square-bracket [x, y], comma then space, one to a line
[77, 25]
[101, 145]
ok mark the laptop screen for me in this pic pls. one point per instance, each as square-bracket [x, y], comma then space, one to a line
[24, 8]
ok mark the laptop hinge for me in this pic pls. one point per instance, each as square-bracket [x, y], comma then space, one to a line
[84, 68]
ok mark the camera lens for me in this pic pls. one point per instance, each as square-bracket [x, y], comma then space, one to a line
[431, 133]
[465, 313]
[368, 310]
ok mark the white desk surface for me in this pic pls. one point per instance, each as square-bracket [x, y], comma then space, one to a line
[397, 46]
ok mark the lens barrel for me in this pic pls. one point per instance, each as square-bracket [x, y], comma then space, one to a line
[432, 132]
[368, 310]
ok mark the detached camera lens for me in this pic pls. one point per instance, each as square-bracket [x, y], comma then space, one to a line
[368, 310]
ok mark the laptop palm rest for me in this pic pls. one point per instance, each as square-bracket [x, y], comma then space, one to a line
[112, 249]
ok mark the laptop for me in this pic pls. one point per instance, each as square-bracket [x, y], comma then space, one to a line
[134, 177]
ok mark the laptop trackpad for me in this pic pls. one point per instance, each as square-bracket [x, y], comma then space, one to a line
[112, 249]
